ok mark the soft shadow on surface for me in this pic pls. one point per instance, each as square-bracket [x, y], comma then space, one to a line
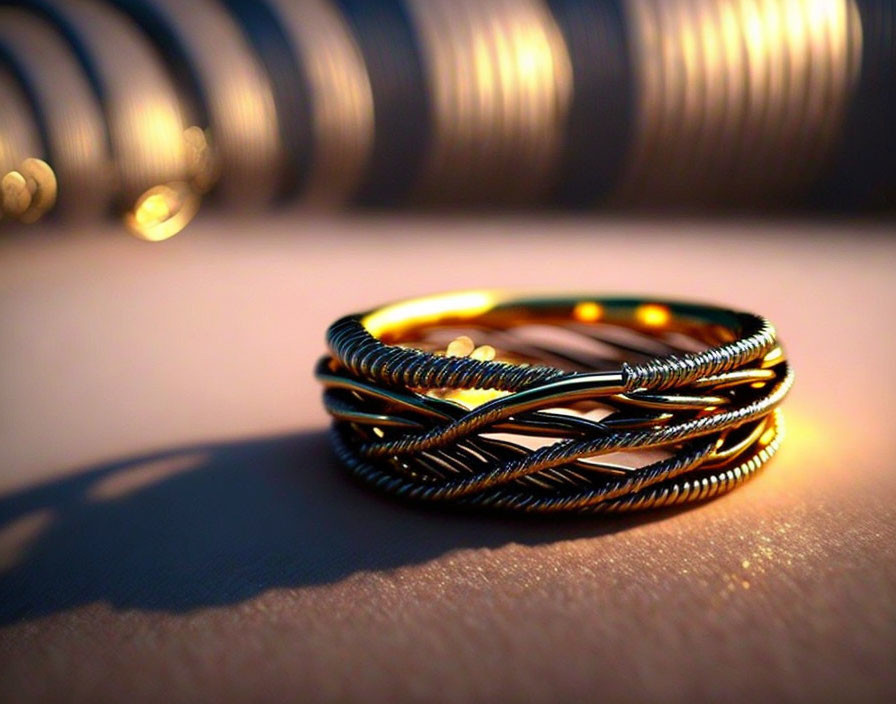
[218, 524]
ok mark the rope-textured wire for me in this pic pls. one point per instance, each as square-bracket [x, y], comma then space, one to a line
[694, 388]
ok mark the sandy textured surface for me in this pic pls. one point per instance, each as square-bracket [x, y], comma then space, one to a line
[173, 526]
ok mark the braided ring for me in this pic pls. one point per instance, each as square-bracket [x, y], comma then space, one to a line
[575, 404]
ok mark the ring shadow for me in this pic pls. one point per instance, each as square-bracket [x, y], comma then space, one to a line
[220, 523]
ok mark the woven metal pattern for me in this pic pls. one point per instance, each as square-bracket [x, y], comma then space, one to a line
[592, 405]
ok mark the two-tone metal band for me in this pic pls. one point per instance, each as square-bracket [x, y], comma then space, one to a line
[583, 404]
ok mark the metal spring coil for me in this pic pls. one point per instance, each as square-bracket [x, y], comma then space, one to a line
[336, 103]
[227, 88]
[67, 111]
[19, 138]
[143, 114]
[712, 412]
[500, 85]
[645, 104]
[726, 88]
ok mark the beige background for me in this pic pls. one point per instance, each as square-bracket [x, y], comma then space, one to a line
[173, 526]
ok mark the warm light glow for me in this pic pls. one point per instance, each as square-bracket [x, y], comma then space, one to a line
[162, 212]
[767, 437]
[588, 311]
[14, 194]
[28, 192]
[202, 165]
[471, 398]
[652, 314]
[427, 311]
[773, 357]
[140, 475]
[153, 209]
[460, 347]
[463, 346]
[484, 353]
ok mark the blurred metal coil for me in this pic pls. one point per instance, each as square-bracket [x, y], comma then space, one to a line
[233, 96]
[401, 109]
[143, 114]
[500, 85]
[633, 104]
[19, 136]
[67, 111]
[339, 113]
[863, 172]
[601, 113]
[619, 404]
[739, 101]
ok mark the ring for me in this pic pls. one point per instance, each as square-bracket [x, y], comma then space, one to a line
[575, 404]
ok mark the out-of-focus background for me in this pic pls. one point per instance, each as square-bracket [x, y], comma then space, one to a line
[142, 108]
[173, 524]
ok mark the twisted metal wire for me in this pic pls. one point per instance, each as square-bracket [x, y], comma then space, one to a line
[709, 403]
